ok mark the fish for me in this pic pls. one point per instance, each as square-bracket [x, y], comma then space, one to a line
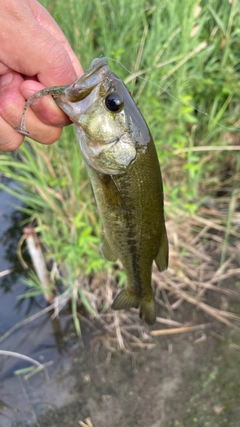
[124, 171]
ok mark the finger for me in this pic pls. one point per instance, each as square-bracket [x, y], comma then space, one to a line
[11, 100]
[11, 106]
[9, 139]
[3, 69]
[44, 56]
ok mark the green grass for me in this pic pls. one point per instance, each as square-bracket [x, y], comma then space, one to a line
[185, 77]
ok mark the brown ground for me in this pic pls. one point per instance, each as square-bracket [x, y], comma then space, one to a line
[184, 380]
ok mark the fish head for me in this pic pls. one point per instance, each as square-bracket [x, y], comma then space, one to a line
[110, 128]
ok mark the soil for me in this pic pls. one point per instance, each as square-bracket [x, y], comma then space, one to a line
[186, 380]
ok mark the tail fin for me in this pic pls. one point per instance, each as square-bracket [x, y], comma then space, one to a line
[147, 311]
[125, 300]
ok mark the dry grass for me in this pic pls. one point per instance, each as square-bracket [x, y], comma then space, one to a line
[204, 261]
[196, 272]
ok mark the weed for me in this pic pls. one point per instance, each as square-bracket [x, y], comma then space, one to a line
[190, 51]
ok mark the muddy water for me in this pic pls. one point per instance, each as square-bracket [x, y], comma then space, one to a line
[186, 380]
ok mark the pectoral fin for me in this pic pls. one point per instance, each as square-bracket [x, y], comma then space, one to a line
[108, 252]
[162, 256]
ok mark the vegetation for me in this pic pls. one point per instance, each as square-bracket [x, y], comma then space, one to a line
[184, 75]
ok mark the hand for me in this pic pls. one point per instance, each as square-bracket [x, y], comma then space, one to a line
[34, 54]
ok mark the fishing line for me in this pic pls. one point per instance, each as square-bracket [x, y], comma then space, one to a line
[175, 98]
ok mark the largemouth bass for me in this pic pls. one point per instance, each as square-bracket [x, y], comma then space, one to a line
[125, 175]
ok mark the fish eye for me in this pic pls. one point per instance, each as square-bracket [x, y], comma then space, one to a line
[114, 102]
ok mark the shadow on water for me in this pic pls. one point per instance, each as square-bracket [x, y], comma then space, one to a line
[44, 339]
[186, 380]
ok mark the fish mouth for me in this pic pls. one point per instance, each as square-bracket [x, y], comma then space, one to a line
[86, 83]
[94, 66]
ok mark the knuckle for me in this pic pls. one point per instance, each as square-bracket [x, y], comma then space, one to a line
[62, 71]
[10, 109]
[48, 135]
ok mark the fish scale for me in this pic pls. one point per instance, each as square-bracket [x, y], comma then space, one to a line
[124, 171]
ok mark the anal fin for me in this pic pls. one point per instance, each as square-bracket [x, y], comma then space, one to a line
[125, 301]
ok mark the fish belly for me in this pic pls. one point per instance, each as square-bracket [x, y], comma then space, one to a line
[131, 208]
